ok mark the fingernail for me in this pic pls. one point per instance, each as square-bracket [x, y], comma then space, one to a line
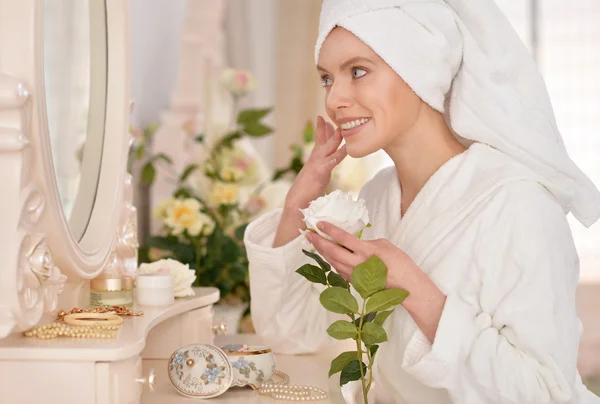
[321, 225]
[308, 236]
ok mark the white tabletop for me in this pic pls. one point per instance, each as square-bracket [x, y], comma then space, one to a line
[302, 369]
[129, 342]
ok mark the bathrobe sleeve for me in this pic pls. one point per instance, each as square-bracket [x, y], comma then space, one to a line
[510, 333]
[286, 310]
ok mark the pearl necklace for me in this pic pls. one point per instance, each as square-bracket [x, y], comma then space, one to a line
[53, 330]
[281, 390]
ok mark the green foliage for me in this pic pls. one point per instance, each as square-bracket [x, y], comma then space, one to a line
[340, 362]
[219, 258]
[313, 274]
[366, 326]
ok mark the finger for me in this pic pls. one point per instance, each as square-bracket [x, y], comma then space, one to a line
[342, 237]
[343, 270]
[332, 161]
[329, 129]
[334, 251]
[333, 143]
[320, 132]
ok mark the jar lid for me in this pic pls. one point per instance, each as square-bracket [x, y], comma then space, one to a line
[112, 284]
[154, 281]
[200, 371]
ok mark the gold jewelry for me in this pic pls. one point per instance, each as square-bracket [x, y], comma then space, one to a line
[57, 329]
[281, 390]
[87, 319]
[118, 310]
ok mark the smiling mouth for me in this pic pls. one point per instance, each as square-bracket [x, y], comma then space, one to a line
[354, 124]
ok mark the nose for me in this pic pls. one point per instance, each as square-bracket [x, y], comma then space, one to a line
[339, 96]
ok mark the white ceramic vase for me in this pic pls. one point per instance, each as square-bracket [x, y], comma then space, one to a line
[230, 315]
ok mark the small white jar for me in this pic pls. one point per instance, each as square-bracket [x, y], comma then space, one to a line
[154, 290]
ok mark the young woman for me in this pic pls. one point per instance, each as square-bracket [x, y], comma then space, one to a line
[470, 220]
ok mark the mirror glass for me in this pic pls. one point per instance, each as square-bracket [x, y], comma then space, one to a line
[75, 77]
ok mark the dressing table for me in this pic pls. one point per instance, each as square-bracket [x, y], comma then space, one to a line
[66, 212]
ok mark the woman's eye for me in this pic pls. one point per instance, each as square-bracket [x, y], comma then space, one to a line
[358, 73]
[326, 81]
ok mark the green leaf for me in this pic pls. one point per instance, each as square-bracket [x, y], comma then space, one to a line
[199, 138]
[148, 173]
[280, 173]
[337, 280]
[339, 300]
[309, 132]
[297, 165]
[340, 362]
[181, 252]
[252, 115]
[382, 316]
[373, 350]
[239, 232]
[322, 263]
[366, 319]
[369, 277]
[385, 299]
[257, 129]
[186, 173]
[372, 333]
[342, 329]
[351, 371]
[227, 140]
[162, 156]
[313, 273]
[139, 152]
[182, 193]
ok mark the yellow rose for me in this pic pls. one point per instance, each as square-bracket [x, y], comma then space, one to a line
[184, 214]
[160, 212]
[224, 194]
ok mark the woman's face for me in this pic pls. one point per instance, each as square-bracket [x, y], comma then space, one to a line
[363, 95]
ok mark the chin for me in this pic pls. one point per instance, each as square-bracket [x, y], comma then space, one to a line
[359, 150]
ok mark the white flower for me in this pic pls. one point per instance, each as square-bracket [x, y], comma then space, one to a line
[343, 210]
[183, 276]
[239, 82]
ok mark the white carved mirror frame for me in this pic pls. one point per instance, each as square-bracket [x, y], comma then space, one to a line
[39, 255]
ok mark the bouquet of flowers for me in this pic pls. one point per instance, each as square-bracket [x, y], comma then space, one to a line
[216, 195]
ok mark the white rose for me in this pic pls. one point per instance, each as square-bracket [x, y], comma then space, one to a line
[343, 210]
[183, 276]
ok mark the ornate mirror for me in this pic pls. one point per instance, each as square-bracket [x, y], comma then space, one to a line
[75, 77]
[64, 105]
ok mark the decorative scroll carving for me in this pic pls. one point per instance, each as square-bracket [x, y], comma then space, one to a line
[31, 283]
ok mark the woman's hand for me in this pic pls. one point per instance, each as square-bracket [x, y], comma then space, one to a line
[356, 251]
[425, 302]
[315, 175]
[311, 182]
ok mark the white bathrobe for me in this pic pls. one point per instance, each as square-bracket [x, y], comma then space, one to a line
[496, 243]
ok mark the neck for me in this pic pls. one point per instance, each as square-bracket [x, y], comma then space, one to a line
[421, 151]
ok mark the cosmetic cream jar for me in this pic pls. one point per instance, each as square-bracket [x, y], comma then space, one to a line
[111, 291]
[154, 290]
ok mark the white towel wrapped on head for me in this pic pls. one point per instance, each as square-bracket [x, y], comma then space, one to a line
[465, 60]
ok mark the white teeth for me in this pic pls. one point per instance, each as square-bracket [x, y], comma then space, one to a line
[354, 124]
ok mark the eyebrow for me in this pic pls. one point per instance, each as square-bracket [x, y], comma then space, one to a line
[349, 62]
